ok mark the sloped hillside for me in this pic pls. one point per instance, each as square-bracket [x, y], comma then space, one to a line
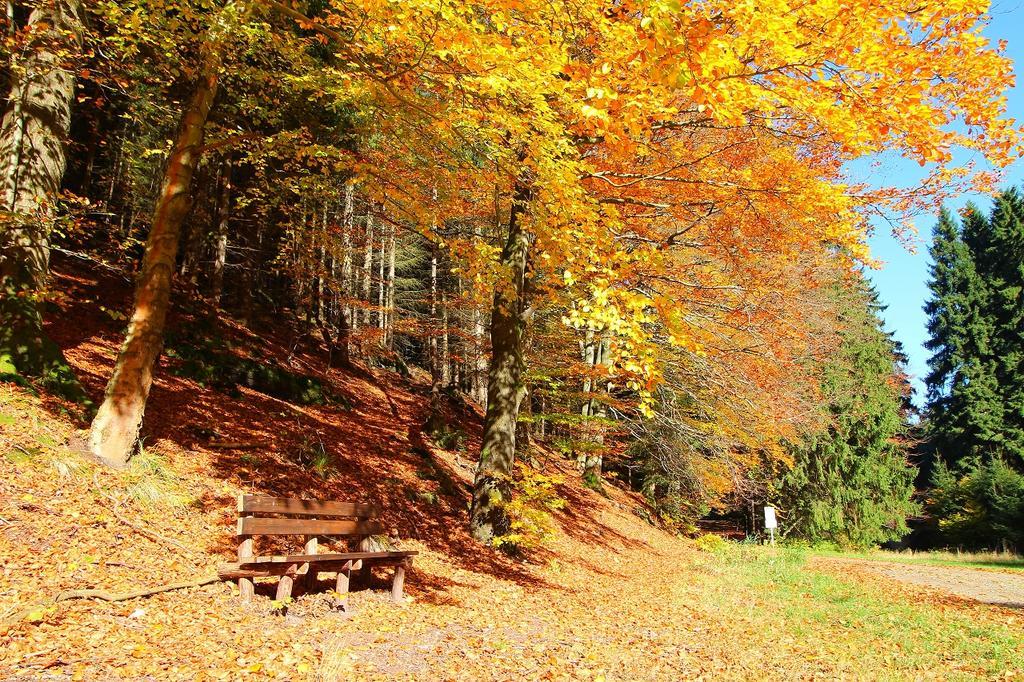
[68, 524]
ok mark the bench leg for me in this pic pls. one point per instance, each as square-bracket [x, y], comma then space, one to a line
[303, 580]
[246, 589]
[341, 601]
[245, 585]
[284, 590]
[398, 583]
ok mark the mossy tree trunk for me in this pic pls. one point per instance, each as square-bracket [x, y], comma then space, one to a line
[505, 387]
[32, 164]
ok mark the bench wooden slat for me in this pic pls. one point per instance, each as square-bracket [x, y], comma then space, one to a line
[234, 570]
[312, 558]
[258, 526]
[262, 504]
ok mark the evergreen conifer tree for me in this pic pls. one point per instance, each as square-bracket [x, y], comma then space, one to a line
[964, 409]
[976, 383]
[1005, 279]
[852, 484]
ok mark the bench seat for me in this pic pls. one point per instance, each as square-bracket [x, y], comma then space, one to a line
[375, 557]
[261, 565]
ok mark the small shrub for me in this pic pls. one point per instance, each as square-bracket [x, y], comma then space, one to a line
[314, 456]
[645, 514]
[594, 482]
[451, 439]
[534, 498]
[427, 497]
[711, 543]
[249, 459]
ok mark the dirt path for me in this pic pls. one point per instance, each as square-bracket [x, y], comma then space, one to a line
[988, 587]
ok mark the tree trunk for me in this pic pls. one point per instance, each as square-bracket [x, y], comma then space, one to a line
[595, 357]
[299, 266]
[32, 164]
[479, 359]
[115, 429]
[249, 277]
[347, 321]
[382, 283]
[509, 318]
[368, 268]
[446, 355]
[435, 418]
[220, 247]
[389, 331]
[194, 237]
[320, 304]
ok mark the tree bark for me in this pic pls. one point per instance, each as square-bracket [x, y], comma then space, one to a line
[595, 356]
[115, 429]
[435, 417]
[32, 164]
[347, 319]
[382, 283]
[368, 268]
[446, 355]
[299, 265]
[479, 377]
[220, 248]
[505, 388]
[389, 331]
[320, 304]
[194, 235]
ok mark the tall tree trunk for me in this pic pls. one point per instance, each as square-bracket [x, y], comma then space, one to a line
[435, 417]
[32, 164]
[479, 379]
[595, 351]
[389, 331]
[115, 429]
[368, 268]
[250, 274]
[299, 266]
[348, 321]
[382, 283]
[320, 304]
[220, 247]
[505, 388]
[194, 237]
[446, 355]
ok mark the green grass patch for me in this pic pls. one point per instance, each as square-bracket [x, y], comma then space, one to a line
[985, 560]
[878, 634]
[152, 484]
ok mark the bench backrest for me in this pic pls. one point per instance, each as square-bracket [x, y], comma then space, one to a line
[261, 515]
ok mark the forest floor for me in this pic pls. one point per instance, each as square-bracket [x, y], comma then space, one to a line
[611, 598]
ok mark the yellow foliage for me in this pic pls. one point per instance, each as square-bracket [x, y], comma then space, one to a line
[534, 498]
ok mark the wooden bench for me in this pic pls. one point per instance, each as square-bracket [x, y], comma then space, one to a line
[313, 519]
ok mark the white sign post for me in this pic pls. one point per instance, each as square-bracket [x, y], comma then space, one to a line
[770, 523]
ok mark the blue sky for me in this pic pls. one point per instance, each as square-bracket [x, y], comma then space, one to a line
[902, 281]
